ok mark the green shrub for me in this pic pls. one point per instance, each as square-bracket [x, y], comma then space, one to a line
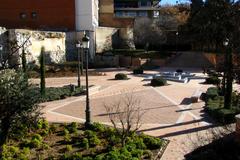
[98, 127]
[75, 156]
[211, 93]
[100, 157]
[179, 70]
[148, 154]
[85, 143]
[115, 154]
[53, 128]
[152, 143]
[38, 137]
[139, 143]
[35, 143]
[68, 148]
[137, 153]
[113, 139]
[213, 80]
[72, 127]
[158, 82]
[94, 141]
[138, 71]
[67, 138]
[121, 76]
[125, 154]
[90, 134]
[87, 158]
[44, 132]
[65, 132]
[45, 146]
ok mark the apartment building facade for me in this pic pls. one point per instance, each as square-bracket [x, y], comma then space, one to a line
[119, 13]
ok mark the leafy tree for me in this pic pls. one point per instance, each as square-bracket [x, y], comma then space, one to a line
[215, 22]
[42, 72]
[17, 104]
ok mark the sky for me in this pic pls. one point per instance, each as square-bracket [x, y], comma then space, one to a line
[172, 2]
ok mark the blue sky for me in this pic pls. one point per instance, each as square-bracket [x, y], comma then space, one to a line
[172, 1]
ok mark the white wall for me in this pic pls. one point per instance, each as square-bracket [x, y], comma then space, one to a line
[86, 14]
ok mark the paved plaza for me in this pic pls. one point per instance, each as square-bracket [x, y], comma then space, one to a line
[168, 110]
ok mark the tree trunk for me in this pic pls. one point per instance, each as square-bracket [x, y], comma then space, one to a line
[229, 80]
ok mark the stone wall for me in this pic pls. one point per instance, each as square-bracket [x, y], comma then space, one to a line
[53, 42]
[104, 38]
[108, 38]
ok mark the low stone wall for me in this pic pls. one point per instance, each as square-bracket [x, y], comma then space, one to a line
[238, 127]
[108, 61]
[158, 62]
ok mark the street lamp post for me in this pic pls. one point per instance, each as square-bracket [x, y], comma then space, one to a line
[78, 46]
[85, 44]
[228, 75]
[177, 41]
[1, 54]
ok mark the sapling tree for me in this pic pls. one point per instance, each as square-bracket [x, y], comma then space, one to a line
[42, 72]
[125, 116]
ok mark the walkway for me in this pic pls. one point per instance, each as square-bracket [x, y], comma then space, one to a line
[169, 112]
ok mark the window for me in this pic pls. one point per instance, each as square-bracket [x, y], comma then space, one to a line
[119, 14]
[131, 14]
[23, 15]
[34, 15]
[142, 14]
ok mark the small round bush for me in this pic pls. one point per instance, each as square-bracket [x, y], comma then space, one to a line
[158, 82]
[213, 80]
[138, 71]
[121, 76]
[179, 70]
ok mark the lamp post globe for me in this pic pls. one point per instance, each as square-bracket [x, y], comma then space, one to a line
[226, 42]
[85, 42]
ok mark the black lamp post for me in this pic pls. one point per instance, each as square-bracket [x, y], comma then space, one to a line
[177, 41]
[78, 46]
[1, 54]
[85, 45]
[228, 75]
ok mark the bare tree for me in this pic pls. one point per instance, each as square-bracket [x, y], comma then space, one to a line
[146, 31]
[125, 116]
[13, 43]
